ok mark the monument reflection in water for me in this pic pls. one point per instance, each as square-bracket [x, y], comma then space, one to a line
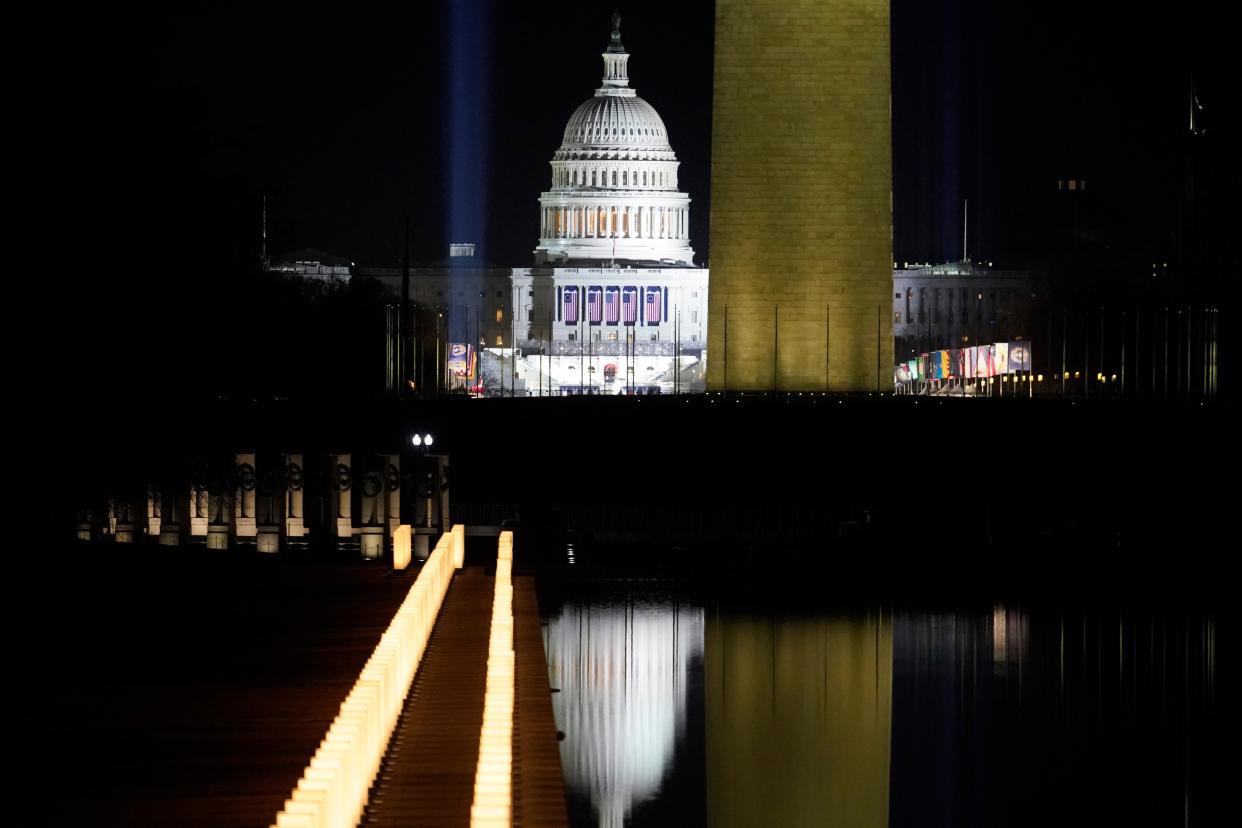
[1003, 715]
[622, 662]
[798, 719]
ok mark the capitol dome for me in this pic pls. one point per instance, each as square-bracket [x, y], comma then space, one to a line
[611, 122]
[614, 195]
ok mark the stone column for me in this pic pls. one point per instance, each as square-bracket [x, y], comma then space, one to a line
[198, 515]
[200, 505]
[372, 519]
[270, 502]
[155, 517]
[340, 469]
[293, 518]
[245, 524]
[392, 492]
[220, 505]
[174, 507]
[124, 512]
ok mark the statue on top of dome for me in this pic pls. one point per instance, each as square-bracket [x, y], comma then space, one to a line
[615, 45]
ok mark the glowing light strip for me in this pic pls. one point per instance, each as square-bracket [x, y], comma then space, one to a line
[333, 789]
[493, 779]
[402, 541]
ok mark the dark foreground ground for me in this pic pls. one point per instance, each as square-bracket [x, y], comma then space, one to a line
[170, 687]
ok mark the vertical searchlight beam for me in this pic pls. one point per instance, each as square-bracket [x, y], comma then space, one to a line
[469, 58]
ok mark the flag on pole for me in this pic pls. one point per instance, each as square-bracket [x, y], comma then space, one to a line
[595, 305]
[1019, 356]
[612, 305]
[629, 304]
[1002, 357]
[653, 314]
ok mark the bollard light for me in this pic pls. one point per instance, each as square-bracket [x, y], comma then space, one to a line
[334, 786]
[493, 795]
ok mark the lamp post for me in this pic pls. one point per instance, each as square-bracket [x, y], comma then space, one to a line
[439, 360]
[978, 317]
[478, 352]
[424, 478]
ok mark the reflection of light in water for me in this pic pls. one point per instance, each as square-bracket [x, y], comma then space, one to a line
[622, 674]
[1010, 634]
[798, 715]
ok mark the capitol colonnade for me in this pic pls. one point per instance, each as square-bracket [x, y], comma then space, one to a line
[603, 221]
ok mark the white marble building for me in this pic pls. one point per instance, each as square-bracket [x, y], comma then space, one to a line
[614, 302]
[614, 280]
[614, 193]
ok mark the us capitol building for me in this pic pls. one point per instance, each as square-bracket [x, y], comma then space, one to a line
[613, 303]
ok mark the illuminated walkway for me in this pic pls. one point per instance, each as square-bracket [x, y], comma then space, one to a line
[427, 777]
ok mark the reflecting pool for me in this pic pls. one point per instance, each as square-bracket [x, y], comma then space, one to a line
[685, 709]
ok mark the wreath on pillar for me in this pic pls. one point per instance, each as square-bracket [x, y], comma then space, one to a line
[344, 479]
[246, 478]
[392, 477]
[294, 478]
[372, 484]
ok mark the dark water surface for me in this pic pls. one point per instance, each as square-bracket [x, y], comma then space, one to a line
[687, 709]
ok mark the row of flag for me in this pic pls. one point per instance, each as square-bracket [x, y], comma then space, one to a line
[967, 363]
[461, 360]
[614, 305]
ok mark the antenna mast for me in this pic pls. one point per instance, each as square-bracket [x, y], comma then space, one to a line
[965, 212]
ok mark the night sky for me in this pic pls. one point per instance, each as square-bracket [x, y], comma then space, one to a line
[344, 116]
[158, 131]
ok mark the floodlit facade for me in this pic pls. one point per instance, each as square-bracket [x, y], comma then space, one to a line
[614, 189]
[959, 304]
[801, 208]
[613, 304]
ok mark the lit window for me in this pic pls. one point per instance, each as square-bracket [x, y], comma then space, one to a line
[1073, 184]
[500, 316]
[500, 340]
